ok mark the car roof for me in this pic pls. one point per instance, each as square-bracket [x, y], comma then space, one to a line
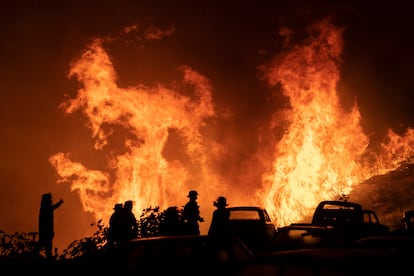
[179, 239]
[389, 237]
[253, 208]
[167, 237]
[328, 261]
[397, 240]
[303, 226]
[340, 203]
[330, 256]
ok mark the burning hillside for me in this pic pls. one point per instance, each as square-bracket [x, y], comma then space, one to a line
[311, 150]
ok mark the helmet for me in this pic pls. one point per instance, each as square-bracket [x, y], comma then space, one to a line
[118, 206]
[47, 197]
[221, 201]
[192, 194]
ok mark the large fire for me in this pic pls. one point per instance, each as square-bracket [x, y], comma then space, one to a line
[322, 153]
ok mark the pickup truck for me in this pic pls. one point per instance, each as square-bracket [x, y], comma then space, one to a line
[349, 218]
[253, 225]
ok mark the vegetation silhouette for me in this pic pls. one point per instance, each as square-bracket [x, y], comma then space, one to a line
[87, 245]
[23, 244]
[18, 244]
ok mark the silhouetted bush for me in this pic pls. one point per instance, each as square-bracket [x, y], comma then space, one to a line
[18, 244]
[24, 244]
[88, 245]
[149, 222]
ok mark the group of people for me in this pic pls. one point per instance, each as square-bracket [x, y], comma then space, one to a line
[123, 225]
[173, 223]
[191, 217]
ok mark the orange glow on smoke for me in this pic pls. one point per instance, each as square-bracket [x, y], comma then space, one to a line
[322, 154]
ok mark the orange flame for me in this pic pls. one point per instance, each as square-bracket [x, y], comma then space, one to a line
[322, 154]
[149, 115]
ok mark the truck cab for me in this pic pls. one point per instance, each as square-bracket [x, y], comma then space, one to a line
[349, 218]
[253, 225]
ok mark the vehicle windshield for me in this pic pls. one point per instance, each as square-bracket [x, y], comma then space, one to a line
[244, 215]
[331, 206]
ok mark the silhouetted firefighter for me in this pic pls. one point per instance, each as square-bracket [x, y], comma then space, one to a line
[219, 226]
[131, 223]
[123, 225]
[46, 224]
[115, 230]
[191, 214]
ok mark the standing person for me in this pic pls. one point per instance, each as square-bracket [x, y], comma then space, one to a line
[115, 225]
[46, 224]
[220, 220]
[191, 214]
[219, 232]
[131, 224]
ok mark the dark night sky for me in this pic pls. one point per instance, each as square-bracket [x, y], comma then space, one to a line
[224, 41]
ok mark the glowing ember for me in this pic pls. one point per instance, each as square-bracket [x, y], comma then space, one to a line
[322, 154]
